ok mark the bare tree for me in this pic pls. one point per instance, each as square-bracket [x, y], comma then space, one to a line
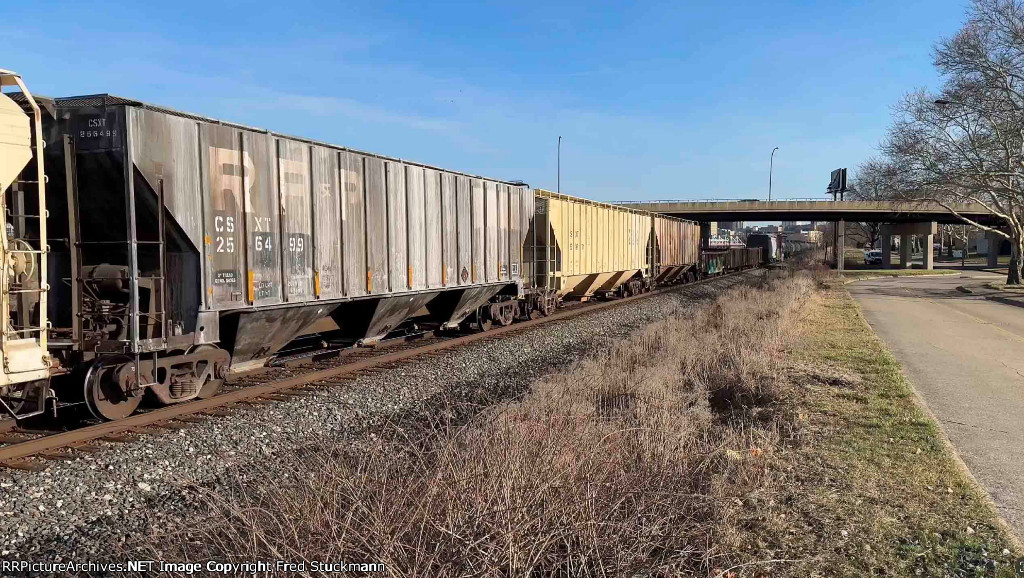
[868, 184]
[867, 233]
[965, 143]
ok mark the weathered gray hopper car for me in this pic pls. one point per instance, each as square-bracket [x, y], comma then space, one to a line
[193, 245]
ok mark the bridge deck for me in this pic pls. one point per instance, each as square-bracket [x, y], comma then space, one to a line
[808, 210]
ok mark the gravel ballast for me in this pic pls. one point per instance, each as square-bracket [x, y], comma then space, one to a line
[83, 509]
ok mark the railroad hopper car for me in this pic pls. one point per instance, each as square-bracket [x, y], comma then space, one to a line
[585, 247]
[676, 244]
[580, 248]
[194, 247]
[770, 244]
[717, 262]
[176, 249]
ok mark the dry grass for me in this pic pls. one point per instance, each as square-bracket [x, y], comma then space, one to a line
[628, 463]
[767, 433]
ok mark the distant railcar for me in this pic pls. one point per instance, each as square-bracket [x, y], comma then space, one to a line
[717, 262]
[771, 248]
[676, 249]
[579, 248]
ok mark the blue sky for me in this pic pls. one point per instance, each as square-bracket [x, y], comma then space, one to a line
[654, 100]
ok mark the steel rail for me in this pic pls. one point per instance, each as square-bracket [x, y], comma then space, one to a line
[11, 454]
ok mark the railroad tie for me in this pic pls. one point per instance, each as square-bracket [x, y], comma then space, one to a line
[55, 456]
[24, 465]
[117, 438]
[220, 412]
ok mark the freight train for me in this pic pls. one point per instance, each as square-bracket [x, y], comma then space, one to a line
[151, 253]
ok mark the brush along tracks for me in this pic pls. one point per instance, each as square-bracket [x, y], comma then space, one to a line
[32, 449]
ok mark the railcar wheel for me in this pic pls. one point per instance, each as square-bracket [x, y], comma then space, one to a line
[104, 396]
[481, 323]
[508, 315]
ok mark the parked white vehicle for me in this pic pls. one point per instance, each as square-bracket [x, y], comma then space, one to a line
[873, 257]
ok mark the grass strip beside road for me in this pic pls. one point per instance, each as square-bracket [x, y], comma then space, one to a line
[863, 274]
[871, 485]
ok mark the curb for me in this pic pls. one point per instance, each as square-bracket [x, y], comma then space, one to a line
[1005, 300]
[896, 275]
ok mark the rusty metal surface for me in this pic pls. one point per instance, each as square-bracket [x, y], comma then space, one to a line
[678, 241]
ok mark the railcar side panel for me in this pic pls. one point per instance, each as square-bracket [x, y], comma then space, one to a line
[327, 270]
[353, 225]
[465, 217]
[296, 219]
[434, 232]
[478, 219]
[164, 149]
[490, 232]
[417, 224]
[222, 193]
[398, 232]
[450, 240]
[376, 227]
[262, 220]
[512, 233]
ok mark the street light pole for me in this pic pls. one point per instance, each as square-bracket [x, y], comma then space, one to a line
[771, 166]
[558, 188]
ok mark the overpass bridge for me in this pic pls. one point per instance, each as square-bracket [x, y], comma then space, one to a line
[906, 219]
[815, 210]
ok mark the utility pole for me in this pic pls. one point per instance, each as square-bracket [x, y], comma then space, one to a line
[771, 166]
[559, 182]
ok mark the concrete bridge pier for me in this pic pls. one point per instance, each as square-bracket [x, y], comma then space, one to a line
[839, 245]
[995, 241]
[928, 258]
[906, 250]
[907, 232]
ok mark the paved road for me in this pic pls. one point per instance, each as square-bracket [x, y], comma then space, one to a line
[965, 355]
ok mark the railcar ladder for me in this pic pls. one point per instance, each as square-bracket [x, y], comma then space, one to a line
[135, 345]
[23, 288]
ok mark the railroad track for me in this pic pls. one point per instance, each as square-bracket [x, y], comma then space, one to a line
[25, 449]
